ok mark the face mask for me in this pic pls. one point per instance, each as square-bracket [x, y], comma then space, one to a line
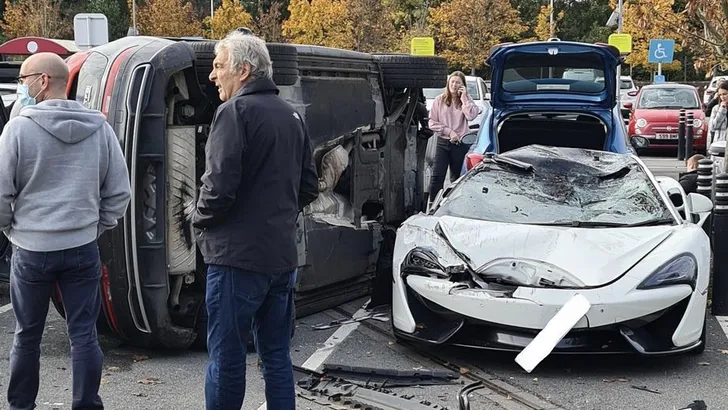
[24, 99]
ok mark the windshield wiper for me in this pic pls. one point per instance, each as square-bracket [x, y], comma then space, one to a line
[603, 224]
[652, 222]
[510, 162]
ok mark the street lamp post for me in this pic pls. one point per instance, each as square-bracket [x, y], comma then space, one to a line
[551, 20]
[619, 67]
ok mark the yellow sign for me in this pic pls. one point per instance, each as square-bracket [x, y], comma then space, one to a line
[422, 46]
[623, 42]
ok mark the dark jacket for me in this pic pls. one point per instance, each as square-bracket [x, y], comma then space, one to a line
[711, 104]
[259, 175]
[689, 181]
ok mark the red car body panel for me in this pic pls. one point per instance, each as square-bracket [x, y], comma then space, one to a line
[661, 125]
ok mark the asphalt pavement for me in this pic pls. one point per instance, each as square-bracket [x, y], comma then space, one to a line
[142, 379]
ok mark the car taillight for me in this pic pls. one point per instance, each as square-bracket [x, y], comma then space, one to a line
[632, 93]
[471, 160]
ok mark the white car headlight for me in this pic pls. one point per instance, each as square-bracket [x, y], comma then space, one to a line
[641, 123]
[681, 270]
[697, 123]
[423, 262]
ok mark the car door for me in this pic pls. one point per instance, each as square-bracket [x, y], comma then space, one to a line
[5, 248]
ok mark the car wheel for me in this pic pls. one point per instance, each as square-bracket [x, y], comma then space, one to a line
[406, 71]
[283, 56]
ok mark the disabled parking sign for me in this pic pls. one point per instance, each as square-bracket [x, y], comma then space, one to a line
[661, 51]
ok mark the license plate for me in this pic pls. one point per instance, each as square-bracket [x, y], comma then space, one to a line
[666, 136]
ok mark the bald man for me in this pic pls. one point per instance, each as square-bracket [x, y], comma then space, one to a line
[63, 182]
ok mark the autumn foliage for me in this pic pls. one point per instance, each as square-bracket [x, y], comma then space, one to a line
[170, 18]
[467, 29]
[543, 23]
[651, 19]
[35, 18]
[318, 22]
[229, 16]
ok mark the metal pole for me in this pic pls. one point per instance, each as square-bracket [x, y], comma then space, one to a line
[659, 68]
[619, 67]
[681, 136]
[551, 19]
[689, 135]
[212, 8]
[720, 236]
[133, 6]
[705, 188]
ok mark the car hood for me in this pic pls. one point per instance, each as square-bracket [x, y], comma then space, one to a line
[554, 91]
[591, 256]
[666, 115]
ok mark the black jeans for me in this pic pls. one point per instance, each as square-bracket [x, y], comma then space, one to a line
[447, 155]
[33, 277]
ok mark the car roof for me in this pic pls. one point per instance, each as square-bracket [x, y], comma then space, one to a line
[669, 85]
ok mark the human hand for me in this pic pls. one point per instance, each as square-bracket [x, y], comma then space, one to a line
[462, 91]
[454, 136]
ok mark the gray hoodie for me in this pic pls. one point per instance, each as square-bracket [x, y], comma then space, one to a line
[63, 178]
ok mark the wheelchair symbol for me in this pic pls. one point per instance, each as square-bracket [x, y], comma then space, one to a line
[660, 52]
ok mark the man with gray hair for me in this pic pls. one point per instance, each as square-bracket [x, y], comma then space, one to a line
[63, 182]
[259, 175]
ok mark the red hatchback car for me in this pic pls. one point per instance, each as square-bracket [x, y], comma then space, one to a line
[655, 114]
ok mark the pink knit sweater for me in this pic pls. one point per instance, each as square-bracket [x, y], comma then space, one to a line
[444, 119]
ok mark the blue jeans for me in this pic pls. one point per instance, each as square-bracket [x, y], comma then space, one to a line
[237, 302]
[33, 276]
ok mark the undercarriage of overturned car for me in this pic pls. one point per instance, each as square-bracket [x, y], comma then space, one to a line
[503, 252]
[365, 116]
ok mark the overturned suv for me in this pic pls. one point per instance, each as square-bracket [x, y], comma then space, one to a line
[364, 115]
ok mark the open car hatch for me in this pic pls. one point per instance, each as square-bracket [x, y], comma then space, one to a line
[560, 73]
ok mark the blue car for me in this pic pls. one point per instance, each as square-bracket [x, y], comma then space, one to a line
[554, 93]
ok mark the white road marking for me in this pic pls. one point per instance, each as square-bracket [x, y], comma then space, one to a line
[723, 321]
[319, 356]
[6, 308]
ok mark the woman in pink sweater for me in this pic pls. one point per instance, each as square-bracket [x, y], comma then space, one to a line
[449, 118]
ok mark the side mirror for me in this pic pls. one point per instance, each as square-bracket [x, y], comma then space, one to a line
[639, 142]
[700, 204]
[469, 138]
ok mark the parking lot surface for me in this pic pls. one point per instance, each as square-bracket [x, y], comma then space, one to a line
[149, 379]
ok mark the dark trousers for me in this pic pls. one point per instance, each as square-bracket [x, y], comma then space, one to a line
[237, 302]
[447, 155]
[33, 277]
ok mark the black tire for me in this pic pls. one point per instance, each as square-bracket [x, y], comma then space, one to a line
[406, 71]
[283, 56]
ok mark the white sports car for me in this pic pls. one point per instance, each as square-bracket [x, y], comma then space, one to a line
[504, 248]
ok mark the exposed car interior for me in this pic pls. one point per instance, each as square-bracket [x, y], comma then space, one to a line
[554, 129]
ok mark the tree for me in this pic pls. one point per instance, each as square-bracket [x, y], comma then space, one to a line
[268, 23]
[115, 13]
[543, 29]
[41, 18]
[712, 16]
[318, 22]
[650, 19]
[229, 16]
[168, 18]
[466, 29]
[371, 25]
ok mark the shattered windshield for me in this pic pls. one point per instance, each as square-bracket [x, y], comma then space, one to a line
[565, 186]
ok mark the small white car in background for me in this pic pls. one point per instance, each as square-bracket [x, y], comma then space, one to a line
[507, 245]
[627, 90]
